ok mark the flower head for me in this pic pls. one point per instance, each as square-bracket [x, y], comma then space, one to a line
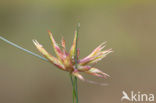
[66, 60]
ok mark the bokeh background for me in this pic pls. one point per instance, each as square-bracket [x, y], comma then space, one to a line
[128, 26]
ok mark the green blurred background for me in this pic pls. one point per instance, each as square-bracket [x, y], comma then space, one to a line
[128, 26]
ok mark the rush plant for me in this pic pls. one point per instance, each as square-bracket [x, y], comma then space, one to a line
[69, 60]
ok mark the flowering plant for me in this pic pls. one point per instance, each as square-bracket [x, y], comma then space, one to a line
[66, 61]
[69, 61]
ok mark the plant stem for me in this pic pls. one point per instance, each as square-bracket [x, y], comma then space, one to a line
[76, 90]
[76, 59]
[23, 49]
[71, 78]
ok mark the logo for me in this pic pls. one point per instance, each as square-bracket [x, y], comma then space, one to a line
[137, 97]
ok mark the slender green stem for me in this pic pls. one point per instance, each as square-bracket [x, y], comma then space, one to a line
[23, 49]
[75, 78]
[76, 90]
[71, 78]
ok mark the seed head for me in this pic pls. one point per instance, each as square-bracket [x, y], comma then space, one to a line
[66, 60]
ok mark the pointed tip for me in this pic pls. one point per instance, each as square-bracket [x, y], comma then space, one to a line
[102, 45]
[104, 42]
[51, 37]
[106, 75]
[98, 73]
[49, 31]
[37, 43]
[63, 43]
[34, 41]
[78, 76]
[109, 51]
